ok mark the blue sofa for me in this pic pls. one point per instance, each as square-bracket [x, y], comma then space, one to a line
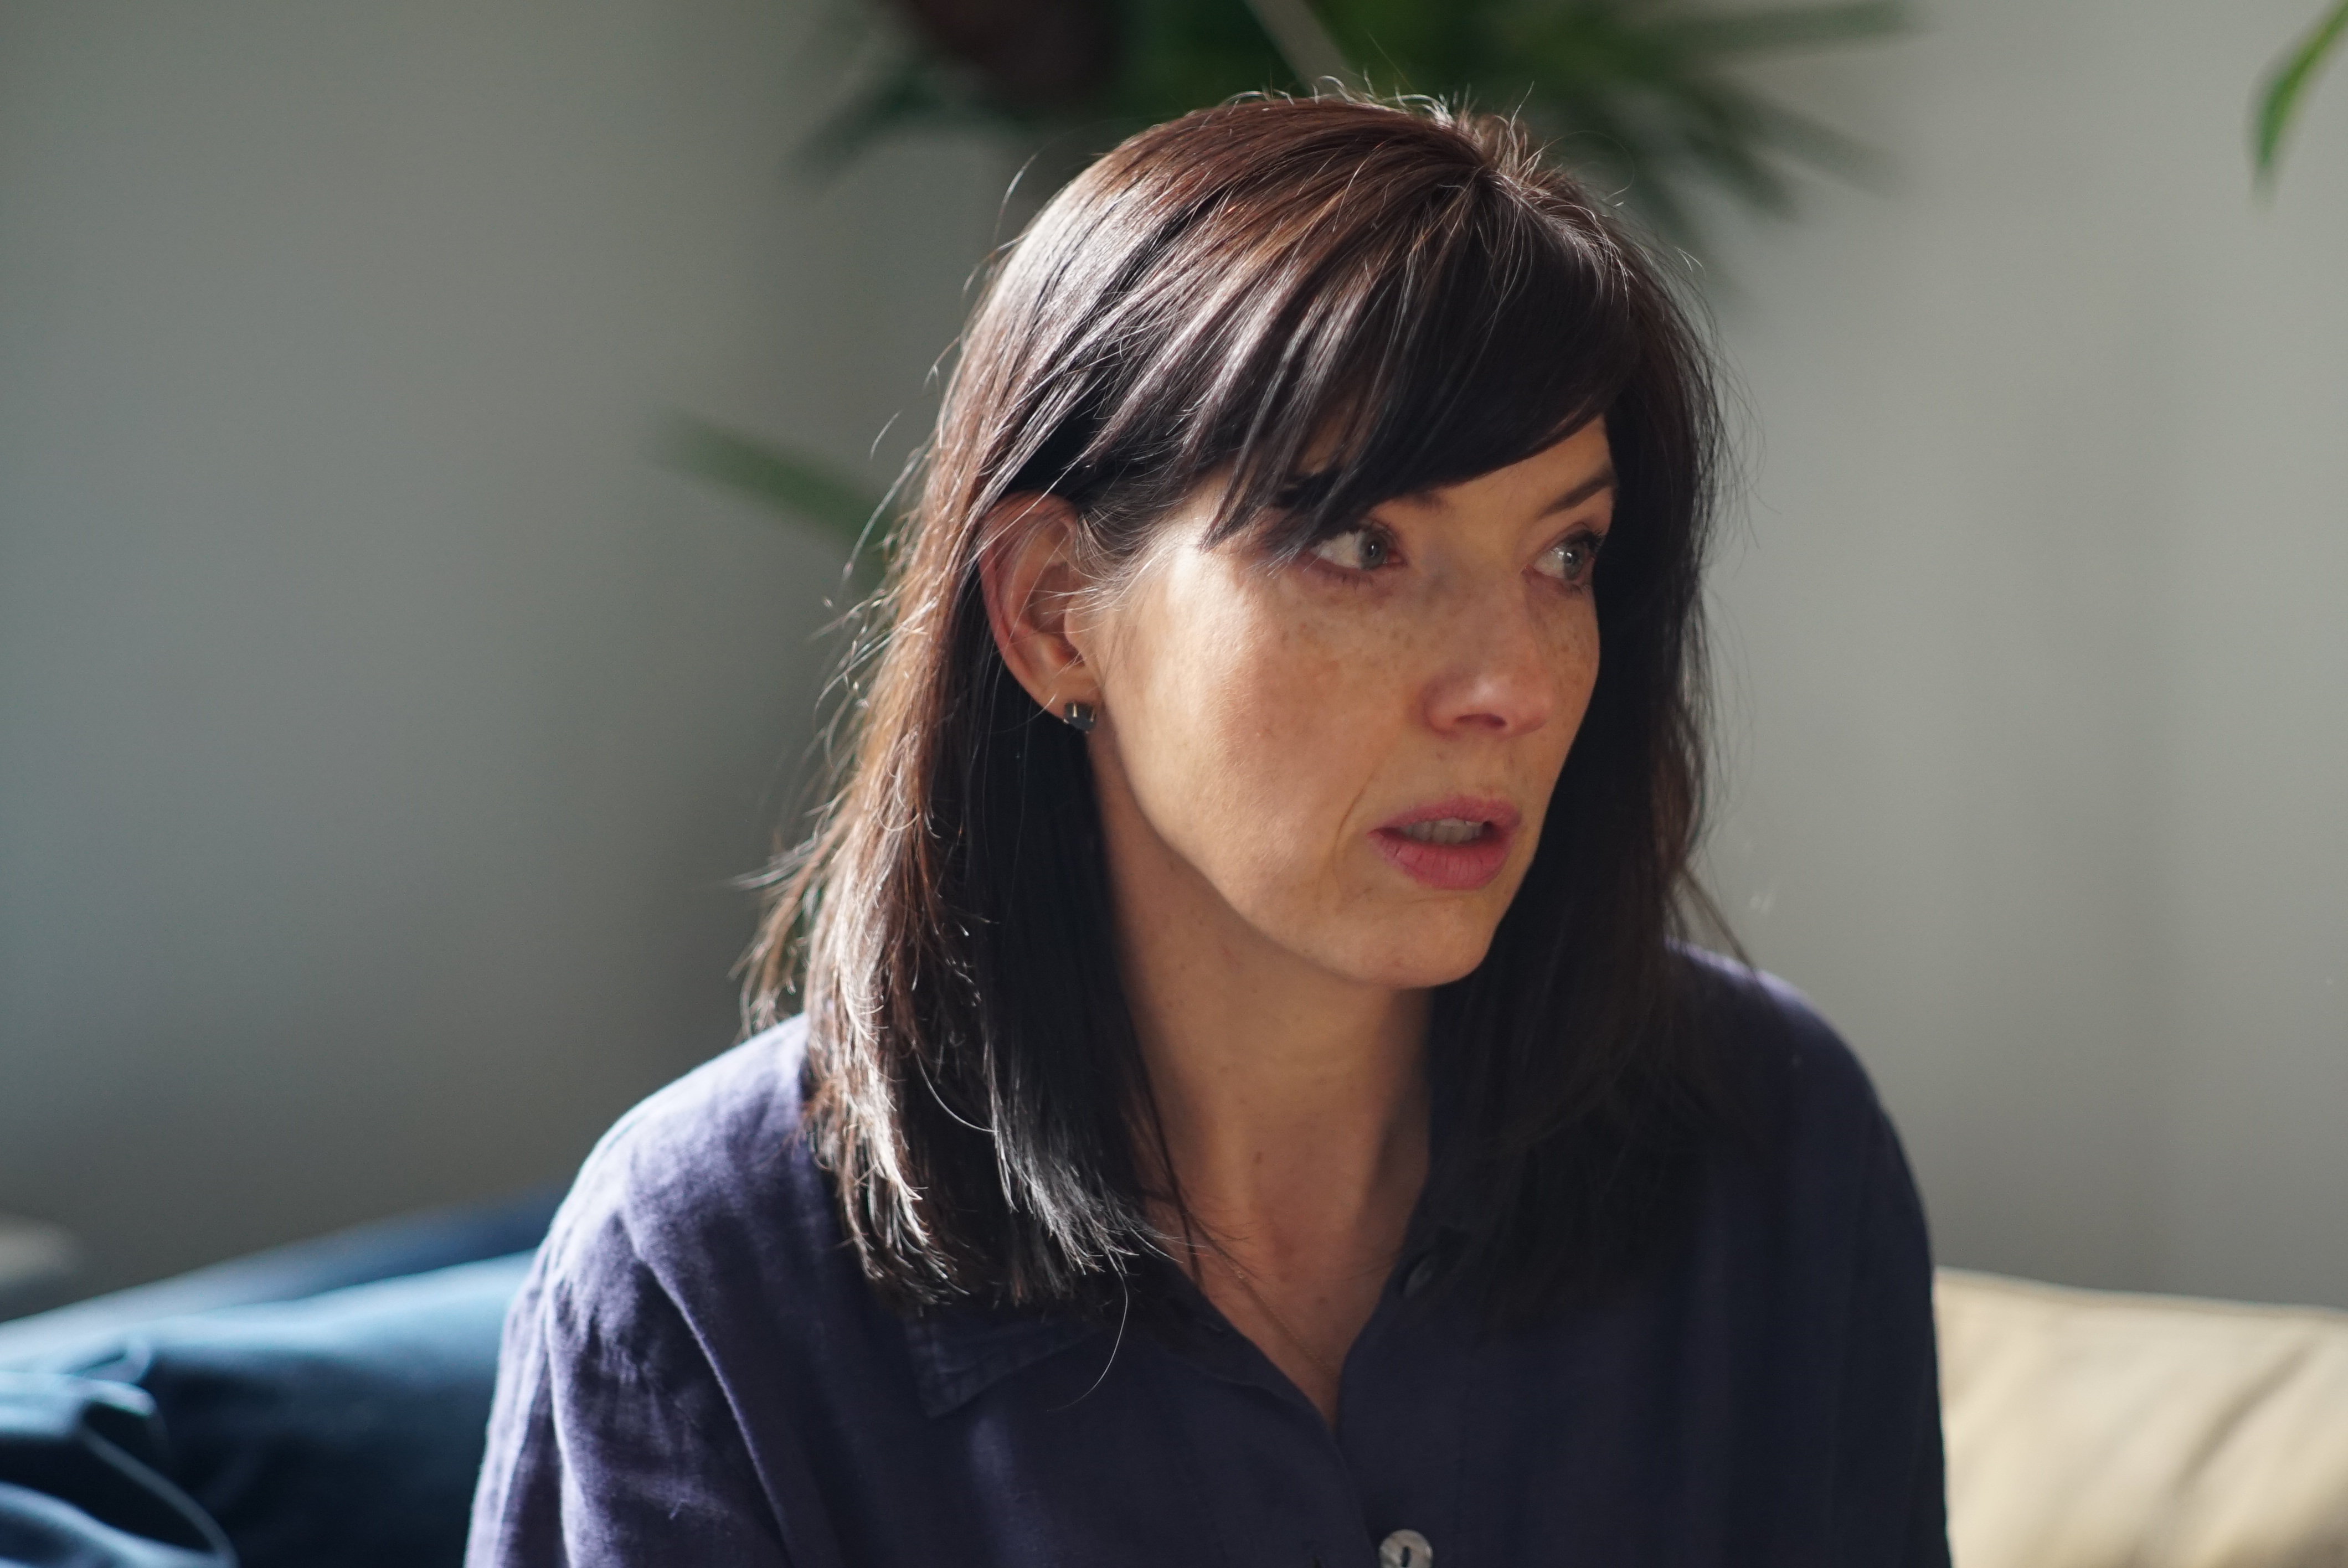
[320, 1406]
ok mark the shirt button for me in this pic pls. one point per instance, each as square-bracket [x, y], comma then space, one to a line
[1421, 1275]
[1406, 1549]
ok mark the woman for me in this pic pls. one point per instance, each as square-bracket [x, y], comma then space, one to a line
[1248, 1107]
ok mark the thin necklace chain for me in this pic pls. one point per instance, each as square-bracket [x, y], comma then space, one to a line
[1291, 1335]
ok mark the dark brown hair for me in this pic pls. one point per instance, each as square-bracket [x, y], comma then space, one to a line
[1413, 298]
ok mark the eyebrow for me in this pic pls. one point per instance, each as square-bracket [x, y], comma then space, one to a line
[1597, 484]
[1600, 481]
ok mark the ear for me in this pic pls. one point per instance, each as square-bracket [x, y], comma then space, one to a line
[1028, 571]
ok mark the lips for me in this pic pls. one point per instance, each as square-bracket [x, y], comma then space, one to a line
[1457, 845]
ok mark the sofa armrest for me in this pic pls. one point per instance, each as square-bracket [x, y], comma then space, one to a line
[2094, 1430]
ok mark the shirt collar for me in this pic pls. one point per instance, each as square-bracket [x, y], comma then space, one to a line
[960, 1352]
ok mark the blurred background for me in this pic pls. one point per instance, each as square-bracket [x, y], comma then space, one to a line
[385, 710]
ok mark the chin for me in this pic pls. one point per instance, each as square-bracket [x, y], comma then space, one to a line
[1421, 955]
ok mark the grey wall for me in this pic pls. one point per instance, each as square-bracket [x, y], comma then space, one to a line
[2036, 643]
[378, 726]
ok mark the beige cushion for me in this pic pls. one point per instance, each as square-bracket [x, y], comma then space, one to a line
[2091, 1429]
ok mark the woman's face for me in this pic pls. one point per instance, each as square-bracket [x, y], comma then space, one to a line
[1347, 757]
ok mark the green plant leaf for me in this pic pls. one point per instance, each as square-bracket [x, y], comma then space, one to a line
[2287, 84]
[1643, 92]
[1794, 28]
[908, 93]
[783, 482]
[1637, 92]
[1304, 44]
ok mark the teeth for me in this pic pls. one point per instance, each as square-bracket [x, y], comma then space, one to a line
[1445, 830]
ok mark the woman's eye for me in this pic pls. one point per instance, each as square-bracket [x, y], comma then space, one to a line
[1356, 550]
[1569, 559]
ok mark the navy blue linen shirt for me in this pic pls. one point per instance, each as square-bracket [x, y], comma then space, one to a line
[695, 1372]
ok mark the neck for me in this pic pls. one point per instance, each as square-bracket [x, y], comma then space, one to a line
[1291, 1110]
[1293, 1101]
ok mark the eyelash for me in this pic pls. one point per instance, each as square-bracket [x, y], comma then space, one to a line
[1589, 542]
[1371, 535]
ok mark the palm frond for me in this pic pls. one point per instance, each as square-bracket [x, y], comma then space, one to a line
[786, 483]
[1793, 27]
[1647, 86]
[2287, 85]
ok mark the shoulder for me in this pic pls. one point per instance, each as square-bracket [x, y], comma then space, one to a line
[1796, 1099]
[704, 1190]
[1821, 1153]
[1814, 1256]
[730, 1120]
[627, 1351]
[1777, 1057]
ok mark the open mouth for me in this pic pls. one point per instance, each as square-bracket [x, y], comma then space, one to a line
[1447, 830]
[1455, 844]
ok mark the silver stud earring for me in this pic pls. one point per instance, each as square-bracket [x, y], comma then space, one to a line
[1079, 717]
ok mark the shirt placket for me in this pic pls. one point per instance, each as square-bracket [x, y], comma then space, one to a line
[1402, 1414]
[1384, 1485]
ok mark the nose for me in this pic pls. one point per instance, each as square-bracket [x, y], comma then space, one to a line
[1501, 669]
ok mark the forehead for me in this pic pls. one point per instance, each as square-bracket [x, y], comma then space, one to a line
[1561, 478]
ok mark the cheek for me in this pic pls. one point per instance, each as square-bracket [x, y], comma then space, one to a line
[1573, 655]
[1247, 730]
[1257, 733]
